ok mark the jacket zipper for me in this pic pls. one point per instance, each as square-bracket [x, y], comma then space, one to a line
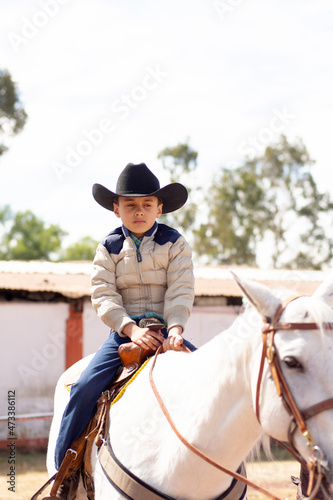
[138, 255]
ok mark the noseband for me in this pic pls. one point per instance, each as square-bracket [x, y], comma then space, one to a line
[299, 418]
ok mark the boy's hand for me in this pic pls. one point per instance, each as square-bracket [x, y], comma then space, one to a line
[143, 337]
[174, 341]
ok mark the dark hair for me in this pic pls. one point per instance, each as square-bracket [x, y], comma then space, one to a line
[116, 200]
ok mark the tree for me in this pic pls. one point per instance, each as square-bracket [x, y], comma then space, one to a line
[236, 219]
[181, 162]
[5, 214]
[26, 237]
[82, 250]
[12, 114]
[30, 238]
[271, 199]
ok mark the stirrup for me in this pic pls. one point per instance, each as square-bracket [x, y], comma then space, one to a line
[66, 490]
[59, 477]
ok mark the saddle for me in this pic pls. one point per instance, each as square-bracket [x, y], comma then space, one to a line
[77, 458]
[133, 357]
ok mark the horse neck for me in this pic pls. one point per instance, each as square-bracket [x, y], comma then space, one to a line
[216, 379]
[208, 395]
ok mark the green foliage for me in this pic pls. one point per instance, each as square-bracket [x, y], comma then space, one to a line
[26, 237]
[178, 160]
[181, 162]
[5, 214]
[82, 250]
[12, 114]
[29, 238]
[237, 218]
[272, 197]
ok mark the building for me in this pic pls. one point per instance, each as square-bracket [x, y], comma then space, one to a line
[48, 323]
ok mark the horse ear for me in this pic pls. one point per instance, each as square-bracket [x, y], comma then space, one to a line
[325, 290]
[260, 297]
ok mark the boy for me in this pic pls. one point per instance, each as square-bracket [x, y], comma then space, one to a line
[142, 270]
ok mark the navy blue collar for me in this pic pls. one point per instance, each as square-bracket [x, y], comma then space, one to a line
[150, 231]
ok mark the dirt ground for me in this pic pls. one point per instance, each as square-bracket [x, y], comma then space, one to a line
[30, 474]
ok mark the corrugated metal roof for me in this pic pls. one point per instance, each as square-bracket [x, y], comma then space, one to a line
[45, 267]
[218, 280]
[72, 279]
[69, 285]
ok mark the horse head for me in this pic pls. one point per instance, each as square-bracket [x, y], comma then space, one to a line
[297, 358]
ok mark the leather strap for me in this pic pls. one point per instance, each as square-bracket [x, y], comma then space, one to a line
[124, 480]
[63, 470]
[299, 418]
[48, 482]
[282, 387]
[269, 327]
[286, 395]
[318, 408]
[260, 374]
[193, 448]
[269, 352]
[133, 488]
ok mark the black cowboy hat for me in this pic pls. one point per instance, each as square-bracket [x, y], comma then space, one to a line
[138, 180]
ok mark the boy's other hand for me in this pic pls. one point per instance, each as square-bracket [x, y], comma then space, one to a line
[174, 341]
[143, 337]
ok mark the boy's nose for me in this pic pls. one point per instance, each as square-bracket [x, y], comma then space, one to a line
[139, 211]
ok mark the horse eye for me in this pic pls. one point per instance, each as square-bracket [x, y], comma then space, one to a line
[292, 362]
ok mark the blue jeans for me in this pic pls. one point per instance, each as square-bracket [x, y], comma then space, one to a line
[98, 376]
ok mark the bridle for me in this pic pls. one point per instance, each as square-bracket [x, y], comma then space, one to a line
[316, 465]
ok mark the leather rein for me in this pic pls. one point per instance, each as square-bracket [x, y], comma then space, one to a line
[315, 463]
[270, 353]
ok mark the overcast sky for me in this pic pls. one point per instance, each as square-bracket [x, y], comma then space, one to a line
[106, 83]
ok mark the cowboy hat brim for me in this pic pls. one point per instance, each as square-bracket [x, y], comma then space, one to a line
[173, 196]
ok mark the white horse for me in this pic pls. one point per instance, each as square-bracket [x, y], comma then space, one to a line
[210, 395]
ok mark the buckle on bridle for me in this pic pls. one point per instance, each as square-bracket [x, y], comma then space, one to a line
[270, 354]
[310, 442]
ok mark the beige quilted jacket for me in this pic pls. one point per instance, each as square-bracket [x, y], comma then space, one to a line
[157, 277]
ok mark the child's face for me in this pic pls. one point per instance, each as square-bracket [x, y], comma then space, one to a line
[138, 214]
